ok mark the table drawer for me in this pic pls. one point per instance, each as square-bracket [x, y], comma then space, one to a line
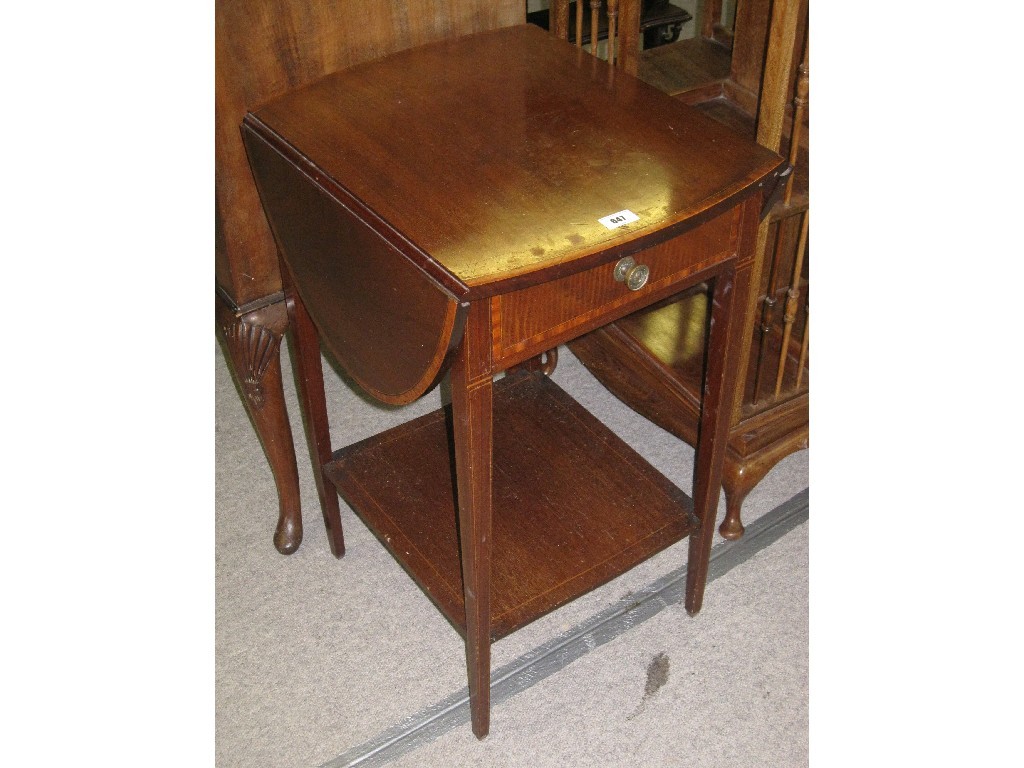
[534, 319]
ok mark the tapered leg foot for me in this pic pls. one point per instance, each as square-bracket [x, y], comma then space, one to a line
[253, 343]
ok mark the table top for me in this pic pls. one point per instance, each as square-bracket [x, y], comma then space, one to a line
[496, 156]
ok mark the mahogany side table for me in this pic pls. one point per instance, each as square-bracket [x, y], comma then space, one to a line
[467, 206]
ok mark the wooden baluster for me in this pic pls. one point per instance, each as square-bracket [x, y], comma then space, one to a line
[803, 346]
[800, 102]
[802, 88]
[791, 299]
[579, 23]
[559, 14]
[630, 15]
[768, 312]
[628, 35]
[712, 16]
[613, 15]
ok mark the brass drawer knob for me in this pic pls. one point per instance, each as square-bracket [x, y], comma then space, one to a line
[632, 274]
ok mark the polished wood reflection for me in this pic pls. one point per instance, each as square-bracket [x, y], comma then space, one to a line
[462, 207]
[521, 198]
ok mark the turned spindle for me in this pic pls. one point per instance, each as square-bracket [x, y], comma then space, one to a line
[800, 102]
[792, 296]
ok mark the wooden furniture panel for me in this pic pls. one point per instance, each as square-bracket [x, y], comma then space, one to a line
[692, 70]
[355, 283]
[750, 48]
[722, 61]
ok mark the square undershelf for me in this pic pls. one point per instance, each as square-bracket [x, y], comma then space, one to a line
[573, 505]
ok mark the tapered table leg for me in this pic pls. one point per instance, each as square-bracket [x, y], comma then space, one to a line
[722, 376]
[472, 424]
[253, 343]
[310, 380]
[713, 434]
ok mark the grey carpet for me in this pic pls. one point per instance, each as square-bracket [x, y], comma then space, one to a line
[317, 657]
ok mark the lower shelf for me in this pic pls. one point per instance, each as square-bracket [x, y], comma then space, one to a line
[573, 505]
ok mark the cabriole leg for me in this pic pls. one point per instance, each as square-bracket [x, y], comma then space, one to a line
[253, 343]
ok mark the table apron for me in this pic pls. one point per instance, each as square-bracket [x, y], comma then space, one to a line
[532, 320]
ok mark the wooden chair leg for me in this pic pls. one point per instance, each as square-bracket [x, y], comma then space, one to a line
[472, 425]
[253, 343]
[732, 526]
[310, 380]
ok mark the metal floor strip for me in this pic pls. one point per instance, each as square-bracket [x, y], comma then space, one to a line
[453, 711]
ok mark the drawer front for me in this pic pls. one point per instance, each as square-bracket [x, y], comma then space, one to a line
[534, 319]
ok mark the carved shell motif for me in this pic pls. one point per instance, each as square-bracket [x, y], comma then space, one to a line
[254, 348]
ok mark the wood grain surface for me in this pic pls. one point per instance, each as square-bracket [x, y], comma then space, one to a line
[386, 322]
[543, 316]
[497, 154]
[573, 504]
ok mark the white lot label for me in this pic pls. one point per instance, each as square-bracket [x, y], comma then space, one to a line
[613, 220]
